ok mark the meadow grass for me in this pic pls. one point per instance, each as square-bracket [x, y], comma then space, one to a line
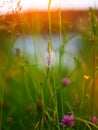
[53, 97]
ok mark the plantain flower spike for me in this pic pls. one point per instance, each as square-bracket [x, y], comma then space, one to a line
[50, 56]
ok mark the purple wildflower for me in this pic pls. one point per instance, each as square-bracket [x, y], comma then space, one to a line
[68, 121]
[66, 81]
[94, 120]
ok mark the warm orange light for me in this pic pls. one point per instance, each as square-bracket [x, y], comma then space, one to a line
[8, 5]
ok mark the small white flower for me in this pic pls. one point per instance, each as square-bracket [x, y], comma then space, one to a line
[50, 56]
[50, 59]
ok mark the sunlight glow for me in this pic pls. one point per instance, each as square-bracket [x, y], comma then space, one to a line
[8, 5]
[65, 4]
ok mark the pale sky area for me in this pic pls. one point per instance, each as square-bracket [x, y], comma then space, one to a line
[7, 5]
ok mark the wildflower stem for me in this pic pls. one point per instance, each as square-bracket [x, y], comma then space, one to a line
[93, 85]
[46, 85]
[83, 89]
[75, 69]
[83, 95]
[55, 105]
[62, 103]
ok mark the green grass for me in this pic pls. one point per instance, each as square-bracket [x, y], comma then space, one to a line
[36, 99]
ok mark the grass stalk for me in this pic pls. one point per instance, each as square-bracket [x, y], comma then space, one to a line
[49, 21]
[2, 101]
[55, 98]
[60, 33]
[12, 41]
[46, 80]
[94, 43]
